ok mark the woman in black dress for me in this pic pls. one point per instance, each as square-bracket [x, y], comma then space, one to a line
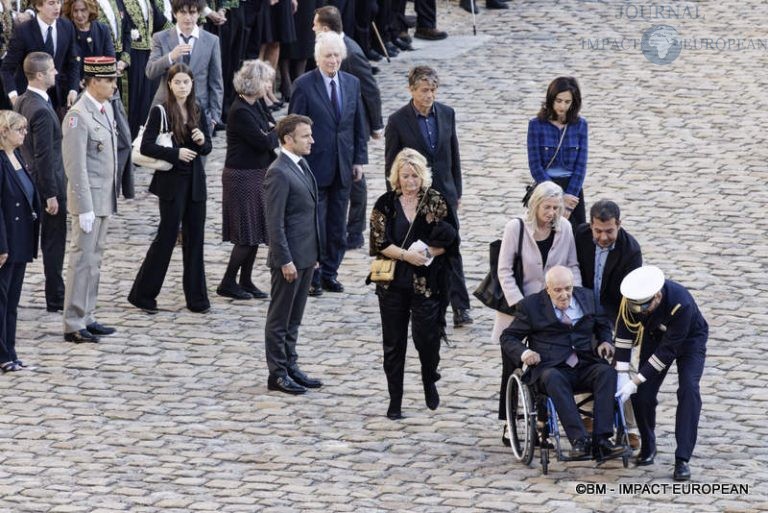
[251, 141]
[409, 213]
[182, 194]
[294, 56]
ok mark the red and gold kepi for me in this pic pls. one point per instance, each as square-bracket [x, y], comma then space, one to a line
[100, 67]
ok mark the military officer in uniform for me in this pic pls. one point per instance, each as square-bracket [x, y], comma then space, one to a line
[89, 147]
[662, 318]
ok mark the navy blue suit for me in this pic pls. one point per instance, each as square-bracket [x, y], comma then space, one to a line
[675, 330]
[27, 38]
[19, 230]
[338, 145]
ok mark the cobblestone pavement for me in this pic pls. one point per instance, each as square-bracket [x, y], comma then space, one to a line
[172, 413]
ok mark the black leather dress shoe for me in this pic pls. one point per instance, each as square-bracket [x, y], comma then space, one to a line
[373, 55]
[284, 384]
[431, 397]
[392, 50]
[402, 44]
[394, 411]
[606, 449]
[430, 34]
[581, 449]
[151, 310]
[682, 470]
[55, 308]
[302, 379]
[332, 285]
[495, 4]
[461, 318]
[81, 336]
[645, 458]
[254, 291]
[235, 292]
[467, 6]
[199, 309]
[99, 329]
[315, 290]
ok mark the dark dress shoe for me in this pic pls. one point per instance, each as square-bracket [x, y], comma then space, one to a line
[495, 4]
[81, 336]
[199, 309]
[11, 367]
[302, 379]
[55, 308]
[315, 290]
[100, 329]
[375, 70]
[682, 470]
[284, 384]
[402, 44]
[403, 36]
[430, 34]
[581, 449]
[645, 458]
[467, 6]
[149, 309]
[373, 55]
[233, 292]
[461, 318]
[254, 291]
[332, 285]
[606, 449]
[392, 50]
[394, 414]
[431, 397]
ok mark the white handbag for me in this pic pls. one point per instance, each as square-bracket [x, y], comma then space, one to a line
[164, 138]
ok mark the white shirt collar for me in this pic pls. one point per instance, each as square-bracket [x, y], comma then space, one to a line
[44, 27]
[38, 91]
[195, 32]
[294, 158]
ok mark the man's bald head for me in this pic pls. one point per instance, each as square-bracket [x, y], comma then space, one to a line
[559, 281]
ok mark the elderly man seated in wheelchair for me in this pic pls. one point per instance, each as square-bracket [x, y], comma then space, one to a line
[559, 324]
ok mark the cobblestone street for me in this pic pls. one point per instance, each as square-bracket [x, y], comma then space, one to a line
[172, 412]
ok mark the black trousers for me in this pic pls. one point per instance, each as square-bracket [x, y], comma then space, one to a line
[426, 13]
[579, 214]
[286, 309]
[53, 242]
[358, 204]
[232, 36]
[180, 210]
[11, 281]
[397, 307]
[690, 367]
[252, 31]
[599, 378]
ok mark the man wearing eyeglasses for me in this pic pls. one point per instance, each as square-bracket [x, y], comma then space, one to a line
[661, 317]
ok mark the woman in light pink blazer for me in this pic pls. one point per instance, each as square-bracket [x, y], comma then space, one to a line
[547, 242]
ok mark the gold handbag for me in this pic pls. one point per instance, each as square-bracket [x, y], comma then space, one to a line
[382, 270]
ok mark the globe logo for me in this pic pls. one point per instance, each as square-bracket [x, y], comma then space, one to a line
[661, 44]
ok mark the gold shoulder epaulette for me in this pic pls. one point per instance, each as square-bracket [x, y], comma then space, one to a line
[675, 309]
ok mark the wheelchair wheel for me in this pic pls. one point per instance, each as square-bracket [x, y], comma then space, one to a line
[544, 460]
[521, 418]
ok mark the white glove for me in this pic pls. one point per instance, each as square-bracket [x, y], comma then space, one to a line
[86, 221]
[621, 379]
[626, 390]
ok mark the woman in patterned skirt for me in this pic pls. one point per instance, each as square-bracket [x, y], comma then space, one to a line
[251, 141]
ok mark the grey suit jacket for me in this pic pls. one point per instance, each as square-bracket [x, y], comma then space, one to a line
[205, 62]
[290, 201]
[89, 148]
[42, 146]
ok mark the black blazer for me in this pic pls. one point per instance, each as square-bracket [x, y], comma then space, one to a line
[554, 341]
[27, 38]
[101, 43]
[625, 257]
[290, 205]
[251, 136]
[403, 132]
[42, 146]
[164, 184]
[19, 217]
[357, 64]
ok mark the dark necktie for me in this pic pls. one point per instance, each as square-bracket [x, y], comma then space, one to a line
[335, 100]
[572, 360]
[305, 167]
[48, 44]
[185, 57]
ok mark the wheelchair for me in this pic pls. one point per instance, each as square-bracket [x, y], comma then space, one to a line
[532, 421]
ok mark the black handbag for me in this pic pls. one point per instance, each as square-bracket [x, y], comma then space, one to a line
[489, 292]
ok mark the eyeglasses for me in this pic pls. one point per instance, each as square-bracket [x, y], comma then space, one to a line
[21, 129]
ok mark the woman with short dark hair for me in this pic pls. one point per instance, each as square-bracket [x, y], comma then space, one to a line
[557, 145]
[182, 194]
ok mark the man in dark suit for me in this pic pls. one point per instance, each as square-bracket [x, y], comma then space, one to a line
[290, 198]
[328, 18]
[53, 35]
[42, 152]
[429, 127]
[606, 253]
[560, 323]
[331, 98]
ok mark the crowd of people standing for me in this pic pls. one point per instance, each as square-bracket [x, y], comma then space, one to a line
[111, 71]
